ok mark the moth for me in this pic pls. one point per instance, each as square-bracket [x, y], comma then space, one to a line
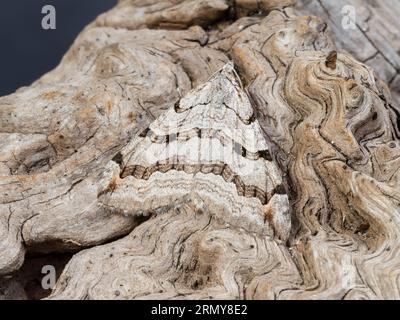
[207, 147]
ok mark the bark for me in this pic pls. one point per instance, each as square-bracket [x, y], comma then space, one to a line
[208, 149]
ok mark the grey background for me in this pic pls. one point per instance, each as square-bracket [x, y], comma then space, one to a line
[26, 50]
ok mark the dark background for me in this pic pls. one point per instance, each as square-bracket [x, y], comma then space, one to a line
[26, 50]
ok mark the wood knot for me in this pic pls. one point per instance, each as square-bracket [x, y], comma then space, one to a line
[331, 59]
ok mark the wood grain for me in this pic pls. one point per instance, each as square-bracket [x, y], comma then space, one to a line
[210, 150]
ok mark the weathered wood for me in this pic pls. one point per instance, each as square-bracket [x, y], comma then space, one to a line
[207, 149]
[374, 39]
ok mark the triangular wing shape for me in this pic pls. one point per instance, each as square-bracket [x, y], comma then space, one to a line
[209, 146]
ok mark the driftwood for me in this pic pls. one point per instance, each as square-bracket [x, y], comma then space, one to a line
[208, 149]
[374, 37]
